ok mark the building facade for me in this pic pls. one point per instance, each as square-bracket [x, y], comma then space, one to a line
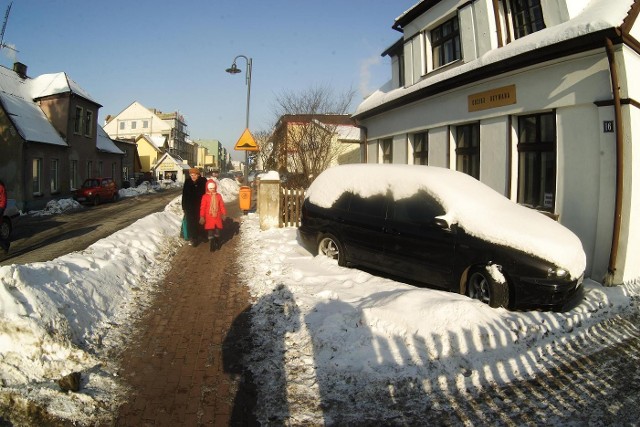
[51, 138]
[536, 99]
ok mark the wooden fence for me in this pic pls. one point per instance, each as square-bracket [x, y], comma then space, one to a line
[291, 206]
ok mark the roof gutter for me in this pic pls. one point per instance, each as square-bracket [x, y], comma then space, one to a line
[617, 219]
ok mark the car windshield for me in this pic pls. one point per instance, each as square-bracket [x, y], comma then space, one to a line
[90, 183]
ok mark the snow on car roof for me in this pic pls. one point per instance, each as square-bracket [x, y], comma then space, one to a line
[480, 210]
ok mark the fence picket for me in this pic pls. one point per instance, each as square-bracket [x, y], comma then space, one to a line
[291, 206]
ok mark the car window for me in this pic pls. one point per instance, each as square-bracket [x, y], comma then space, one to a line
[375, 206]
[418, 209]
[343, 202]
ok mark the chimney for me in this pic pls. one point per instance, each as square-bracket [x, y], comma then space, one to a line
[20, 69]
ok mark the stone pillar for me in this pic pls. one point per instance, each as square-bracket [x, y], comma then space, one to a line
[269, 201]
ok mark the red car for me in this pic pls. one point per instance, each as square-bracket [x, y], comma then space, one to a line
[96, 190]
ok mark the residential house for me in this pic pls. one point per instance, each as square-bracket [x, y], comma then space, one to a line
[136, 120]
[51, 138]
[150, 149]
[539, 100]
[212, 154]
[309, 143]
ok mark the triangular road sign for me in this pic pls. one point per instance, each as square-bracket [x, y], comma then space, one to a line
[246, 142]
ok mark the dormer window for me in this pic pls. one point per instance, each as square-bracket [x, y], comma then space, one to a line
[445, 43]
[526, 17]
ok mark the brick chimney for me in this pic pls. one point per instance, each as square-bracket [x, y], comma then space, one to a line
[20, 69]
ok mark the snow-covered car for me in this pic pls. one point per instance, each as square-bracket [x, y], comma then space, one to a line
[11, 212]
[443, 228]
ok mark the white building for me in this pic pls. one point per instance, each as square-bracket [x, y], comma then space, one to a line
[519, 95]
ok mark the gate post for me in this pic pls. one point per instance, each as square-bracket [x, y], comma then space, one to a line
[269, 200]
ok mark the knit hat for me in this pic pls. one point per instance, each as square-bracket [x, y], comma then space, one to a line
[194, 170]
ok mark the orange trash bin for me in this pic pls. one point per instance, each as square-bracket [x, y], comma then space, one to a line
[244, 197]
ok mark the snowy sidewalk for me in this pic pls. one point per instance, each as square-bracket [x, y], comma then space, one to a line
[183, 366]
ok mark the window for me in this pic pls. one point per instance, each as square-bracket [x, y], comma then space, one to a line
[526, 17]
[401, 70]
[89, 169]
[100, 168]
[387, 150]
[419, 209]
[121, 125]
[468, 149]
[36, 176]
[77, 122]
[420, 149]
[88, 125]
[375, 206]
[133, 125]
[445, 43]
[537, 161]
[73, 174]
[53, 176]
[114, 170]
[145, 124]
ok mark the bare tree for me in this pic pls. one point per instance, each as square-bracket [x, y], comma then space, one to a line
[265, 153]
[305, 133]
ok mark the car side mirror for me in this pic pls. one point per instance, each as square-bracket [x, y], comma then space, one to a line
[444, 225]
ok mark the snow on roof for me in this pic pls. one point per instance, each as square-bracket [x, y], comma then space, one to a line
[30, 120]
[104, 143]
[596, 16]
[57, 83]
[348, 132]
[477, 208]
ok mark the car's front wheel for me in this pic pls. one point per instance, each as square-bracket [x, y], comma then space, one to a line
[483, 287]
[96, 201]
[5, 229]
[330, 246]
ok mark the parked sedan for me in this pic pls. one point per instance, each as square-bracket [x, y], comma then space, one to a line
[443, 228]
[97, 190]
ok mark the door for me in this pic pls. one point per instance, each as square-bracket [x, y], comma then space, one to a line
[421, 246]
[363, 229]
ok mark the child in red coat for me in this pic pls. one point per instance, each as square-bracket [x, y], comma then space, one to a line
[212, 212]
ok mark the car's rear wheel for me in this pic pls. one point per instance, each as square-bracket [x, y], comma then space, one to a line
[330, 246]
[5, 228]
[115, 197]
[483, 287]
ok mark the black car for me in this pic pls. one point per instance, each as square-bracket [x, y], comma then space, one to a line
[421, 223]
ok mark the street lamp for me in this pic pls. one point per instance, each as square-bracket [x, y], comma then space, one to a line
[235, 70]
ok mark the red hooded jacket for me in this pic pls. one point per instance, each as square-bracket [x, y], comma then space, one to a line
[210, 221]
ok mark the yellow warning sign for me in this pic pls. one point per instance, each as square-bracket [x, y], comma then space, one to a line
[246, 142]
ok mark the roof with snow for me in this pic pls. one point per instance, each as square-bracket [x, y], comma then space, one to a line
[104, 143]
[17, 97]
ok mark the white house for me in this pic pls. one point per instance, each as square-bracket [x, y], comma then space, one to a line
[538, 99]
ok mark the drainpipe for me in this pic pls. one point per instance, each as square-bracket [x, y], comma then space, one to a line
[615, 240]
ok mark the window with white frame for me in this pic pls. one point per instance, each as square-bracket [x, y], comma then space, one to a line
[421, 148]
[53, 176]
[537, 161]
[77, 121]
[133, 124]
[526, 17]
[445, 43]
[468, 149]
[121, 125]
[36, 176]
[387, 150]
[145, 124]
[88, 123]
[73, 174]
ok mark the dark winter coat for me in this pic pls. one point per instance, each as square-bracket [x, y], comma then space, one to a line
[192, 192]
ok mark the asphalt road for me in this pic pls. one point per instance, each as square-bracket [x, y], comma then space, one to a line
[43, 238]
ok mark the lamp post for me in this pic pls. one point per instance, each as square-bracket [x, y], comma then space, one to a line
[235, 70]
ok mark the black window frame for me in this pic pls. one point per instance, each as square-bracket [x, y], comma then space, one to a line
[537, 161]
[468, 149]
[445, 43]
[526, 17]
[386, 146]
[421, 148]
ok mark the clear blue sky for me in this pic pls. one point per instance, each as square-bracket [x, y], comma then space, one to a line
[172, 55]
